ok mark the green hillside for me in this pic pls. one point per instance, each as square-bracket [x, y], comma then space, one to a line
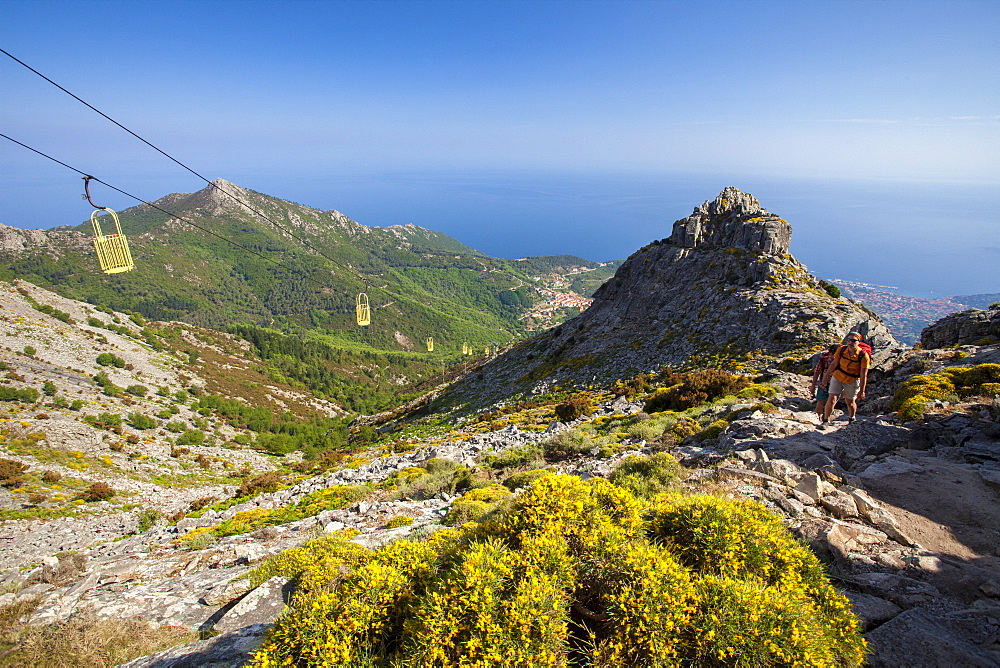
[297, 271]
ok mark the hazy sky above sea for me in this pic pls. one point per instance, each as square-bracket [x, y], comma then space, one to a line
[532, 128]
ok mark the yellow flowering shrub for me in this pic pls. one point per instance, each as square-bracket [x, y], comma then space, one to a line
[683, 427]
[911, 397]
[569, 572]
[474, 504]
[743, 623]
[648, 598]
[399, 521]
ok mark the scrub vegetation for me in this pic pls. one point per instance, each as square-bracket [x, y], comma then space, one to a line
[568, 573]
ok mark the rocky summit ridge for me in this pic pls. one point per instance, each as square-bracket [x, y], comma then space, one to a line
[721, 289]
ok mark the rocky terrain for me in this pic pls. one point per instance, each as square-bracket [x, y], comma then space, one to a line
[64, 433]
[906, 517]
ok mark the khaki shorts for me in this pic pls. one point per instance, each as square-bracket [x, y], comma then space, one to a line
[841, 390]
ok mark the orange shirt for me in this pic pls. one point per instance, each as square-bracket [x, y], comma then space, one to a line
[849, 367]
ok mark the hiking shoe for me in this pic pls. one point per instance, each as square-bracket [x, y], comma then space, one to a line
[822, 426]
[850, 420]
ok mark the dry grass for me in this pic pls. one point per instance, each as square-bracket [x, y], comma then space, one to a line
[82, 641]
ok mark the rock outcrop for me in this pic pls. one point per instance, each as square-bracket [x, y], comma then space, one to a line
[971, 327]
[721, 289]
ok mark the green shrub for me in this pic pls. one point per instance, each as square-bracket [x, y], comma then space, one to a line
[648, 476]
[523, 478]
[831, 289]
[647, 430]
[148, 519]
[137, 390]
[29, 350]
[566, 444]
[578, 405]
[713, 430]
[466, 478]
[175, 426]
[526, 455]
[421, 484]
[104, 420]
[191, 437]
[27, 395]
[109, 359]
[687, 390]
[278, 444]
[141, 421]
[49, 388]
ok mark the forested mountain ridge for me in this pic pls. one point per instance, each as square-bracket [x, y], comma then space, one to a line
[227, 256]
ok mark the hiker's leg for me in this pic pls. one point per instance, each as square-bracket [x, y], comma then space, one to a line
[830, 403]
[821, 398]
[836, 389]
[851, 391]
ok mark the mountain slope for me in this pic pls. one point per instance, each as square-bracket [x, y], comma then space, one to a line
[298, 273]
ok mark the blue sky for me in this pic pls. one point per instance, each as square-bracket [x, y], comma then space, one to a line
[526, 128]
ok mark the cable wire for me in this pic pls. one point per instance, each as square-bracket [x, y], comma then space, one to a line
[178, 162]
[162, 210]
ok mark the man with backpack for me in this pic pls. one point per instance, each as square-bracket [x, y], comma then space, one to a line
[848, 377]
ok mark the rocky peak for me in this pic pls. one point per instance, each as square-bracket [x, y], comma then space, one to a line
[721, 291]
[734, 219]
[221, 195]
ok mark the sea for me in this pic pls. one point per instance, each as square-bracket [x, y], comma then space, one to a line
[927, 240]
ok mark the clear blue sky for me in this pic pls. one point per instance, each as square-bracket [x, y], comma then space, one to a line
[517, 126]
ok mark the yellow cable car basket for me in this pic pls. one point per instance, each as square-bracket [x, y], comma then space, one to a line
[112, 249]
[466, 348]
[430, 344]
[363, 310]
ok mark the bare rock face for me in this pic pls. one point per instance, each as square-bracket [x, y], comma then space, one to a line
[963, 328]
[721, 290]
[15, 241]
[733, 220]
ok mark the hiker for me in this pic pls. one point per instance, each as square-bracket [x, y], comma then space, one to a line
[847, 376]
[820, 384]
